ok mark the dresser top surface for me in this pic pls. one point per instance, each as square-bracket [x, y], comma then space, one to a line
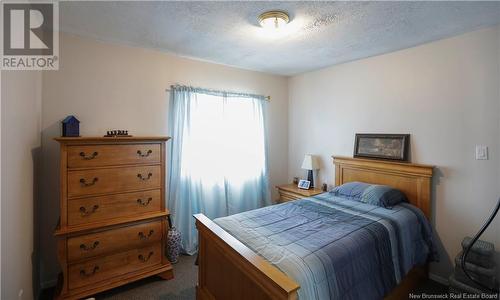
[100, 139]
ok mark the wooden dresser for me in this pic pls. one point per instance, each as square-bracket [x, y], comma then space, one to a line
[113, 227]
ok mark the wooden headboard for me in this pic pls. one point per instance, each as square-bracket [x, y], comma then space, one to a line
[412, 179]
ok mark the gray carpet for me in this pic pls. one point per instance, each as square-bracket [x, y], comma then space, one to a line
[182, 287]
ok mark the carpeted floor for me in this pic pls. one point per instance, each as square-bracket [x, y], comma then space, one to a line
[182, 287]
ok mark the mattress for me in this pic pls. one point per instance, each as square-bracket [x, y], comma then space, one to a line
[336, 248]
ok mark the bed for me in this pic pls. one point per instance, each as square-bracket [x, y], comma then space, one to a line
[230, 269]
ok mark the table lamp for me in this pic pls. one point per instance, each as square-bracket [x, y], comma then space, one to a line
[310, 163]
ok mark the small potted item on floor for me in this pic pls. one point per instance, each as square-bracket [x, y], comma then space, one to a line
[173, 243]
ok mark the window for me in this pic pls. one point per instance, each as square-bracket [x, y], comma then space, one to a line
[224, 141]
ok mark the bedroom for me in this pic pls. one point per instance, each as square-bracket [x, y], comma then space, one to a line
[336, 69]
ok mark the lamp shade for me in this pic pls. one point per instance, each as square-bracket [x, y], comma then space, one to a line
[310, 162]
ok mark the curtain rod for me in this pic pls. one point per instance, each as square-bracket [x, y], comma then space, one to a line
[268, 98]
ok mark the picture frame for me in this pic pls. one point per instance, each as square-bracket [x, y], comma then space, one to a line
[382, 146]
[304, 184]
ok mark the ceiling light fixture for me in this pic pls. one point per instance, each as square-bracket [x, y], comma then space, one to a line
[274, 19]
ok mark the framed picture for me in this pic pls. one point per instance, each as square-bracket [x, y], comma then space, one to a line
[382, 146]
[304, 184]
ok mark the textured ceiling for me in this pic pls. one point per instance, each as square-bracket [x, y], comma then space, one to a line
[320, 34]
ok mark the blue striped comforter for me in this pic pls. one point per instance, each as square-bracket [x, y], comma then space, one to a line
[337, 248]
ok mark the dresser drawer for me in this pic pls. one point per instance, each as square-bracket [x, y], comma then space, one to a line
[110, 180]
[114, 240]
[109, 155]
[107, 267]
[105, 208]
[287, 196]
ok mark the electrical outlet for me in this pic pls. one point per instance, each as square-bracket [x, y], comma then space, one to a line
[481, 152]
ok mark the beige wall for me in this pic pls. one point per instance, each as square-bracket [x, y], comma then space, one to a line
[20, 131]
[445, 94]
[116, 87]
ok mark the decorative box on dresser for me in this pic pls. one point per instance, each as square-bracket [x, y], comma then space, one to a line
[112, 228]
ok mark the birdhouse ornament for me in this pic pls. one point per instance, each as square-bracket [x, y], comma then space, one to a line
[70, 127]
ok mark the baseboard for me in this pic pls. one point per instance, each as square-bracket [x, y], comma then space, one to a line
[438, 279]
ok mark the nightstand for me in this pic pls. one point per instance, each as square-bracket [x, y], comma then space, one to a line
[290, 192]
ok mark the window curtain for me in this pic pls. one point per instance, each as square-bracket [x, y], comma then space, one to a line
[218, 156]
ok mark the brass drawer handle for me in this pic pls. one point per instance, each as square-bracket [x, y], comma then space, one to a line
[84, 182]
[139, 152]
[144, 178]
[84, 274]
[84, 247]
[145, 259]
[84, 211]
[142, 236]
[144, 203]
[92, 156]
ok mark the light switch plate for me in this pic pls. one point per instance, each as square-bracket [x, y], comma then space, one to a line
[481, 152]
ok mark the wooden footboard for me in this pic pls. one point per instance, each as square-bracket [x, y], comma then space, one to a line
[227, 269]
[230, 270]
